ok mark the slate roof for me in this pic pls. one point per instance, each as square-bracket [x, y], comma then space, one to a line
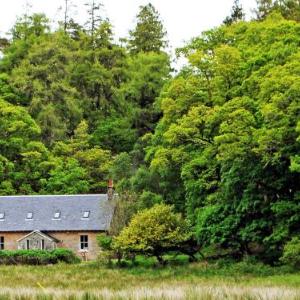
[71, 208]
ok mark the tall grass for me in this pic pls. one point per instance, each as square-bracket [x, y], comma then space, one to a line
[167, 292]
[188, 281]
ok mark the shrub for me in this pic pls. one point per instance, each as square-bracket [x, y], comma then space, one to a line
[104, 241]
[37, 257]
[153, 232]
[291, 253]
[106, 254]
[65, 255]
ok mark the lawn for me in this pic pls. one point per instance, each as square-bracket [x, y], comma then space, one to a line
[186, 281]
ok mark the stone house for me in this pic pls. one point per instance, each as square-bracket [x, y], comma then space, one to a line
[49, 222]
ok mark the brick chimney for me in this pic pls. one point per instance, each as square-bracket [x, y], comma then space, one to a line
[110, 190]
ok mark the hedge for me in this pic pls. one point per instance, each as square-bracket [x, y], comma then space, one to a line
[37, 257]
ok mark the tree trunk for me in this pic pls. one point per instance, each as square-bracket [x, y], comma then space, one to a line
[161, 261]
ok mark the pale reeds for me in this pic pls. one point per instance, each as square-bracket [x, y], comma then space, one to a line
[192, 281]
[199, 292]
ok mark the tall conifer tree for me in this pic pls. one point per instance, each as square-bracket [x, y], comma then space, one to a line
[94, 8]
[149, 34]
[237, 13]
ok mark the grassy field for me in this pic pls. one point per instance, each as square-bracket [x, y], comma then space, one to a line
[193, 281]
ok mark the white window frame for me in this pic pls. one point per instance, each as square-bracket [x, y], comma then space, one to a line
[84, 244]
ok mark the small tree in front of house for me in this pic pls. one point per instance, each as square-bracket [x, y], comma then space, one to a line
[153, 232]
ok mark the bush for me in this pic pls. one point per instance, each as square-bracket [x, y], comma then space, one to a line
[104, 241]
[107, 253]
[153, 232]
[291, 253]
[66, 256]
[37, 257]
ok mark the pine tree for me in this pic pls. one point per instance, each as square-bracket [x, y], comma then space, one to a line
[4, 42]
[33, 25]
[290, 9]
[264, 7]
[94, 8]
[68, 24]
[66, 17]
[149, 34]
[67, 20]
[237, 13]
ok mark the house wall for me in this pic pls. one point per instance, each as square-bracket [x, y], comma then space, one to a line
[11, 238]
[69, 240]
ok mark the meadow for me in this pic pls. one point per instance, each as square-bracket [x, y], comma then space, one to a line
[185, 281]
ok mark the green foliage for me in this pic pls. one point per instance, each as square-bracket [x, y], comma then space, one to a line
[37, 257]
[106, 253]
[94, 8]
[290, 9]
[149, 199]
[42, 77]
[67, 178]
[219, 141]
[149, 34]
[237, 14]
[30, 26]
[147, 73]
[104, 241]
[17, 133]
[228, 140]
[25, 33]
[85, 96]
[93, 162]
[115, 134]
[122, 166]
[152, 232]
[7, 92]
[264, 7]
[291, 253]
[17, 128]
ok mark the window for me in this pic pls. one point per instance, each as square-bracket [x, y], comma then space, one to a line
[1, 242]
[84, 242]
[2, 216]
[29, 216]
[27, 244]
[57, 215]
[86, 215]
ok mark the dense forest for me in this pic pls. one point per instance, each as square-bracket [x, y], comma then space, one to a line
[219, 140]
